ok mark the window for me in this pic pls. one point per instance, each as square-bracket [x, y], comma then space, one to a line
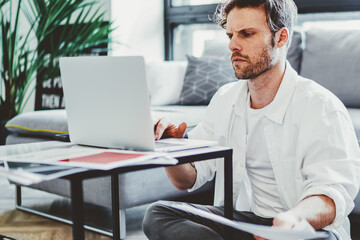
[188, 23]
[177, 3]
[191, 39]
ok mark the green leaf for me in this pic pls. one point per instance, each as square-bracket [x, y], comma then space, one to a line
[58, 33]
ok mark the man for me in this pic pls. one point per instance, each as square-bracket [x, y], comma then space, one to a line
[296, 156]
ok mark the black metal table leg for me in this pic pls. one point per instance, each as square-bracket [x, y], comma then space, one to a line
[77, 207]
[228, 172]
[228, 185]
[115, 205]
[18, 195]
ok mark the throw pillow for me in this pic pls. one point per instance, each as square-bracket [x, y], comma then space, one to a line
[204, 76]
[46, 123]
[294, 53]
[165, 81]
[331, 58]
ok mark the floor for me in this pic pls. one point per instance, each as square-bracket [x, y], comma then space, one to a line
[25, 226]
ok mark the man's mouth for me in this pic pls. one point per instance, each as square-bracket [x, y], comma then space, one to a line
[238, 60]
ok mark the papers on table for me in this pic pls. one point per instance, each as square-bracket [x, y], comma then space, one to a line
[91, 157]
[29, 173]
[304, 231]
[27, 167]
[8, 150]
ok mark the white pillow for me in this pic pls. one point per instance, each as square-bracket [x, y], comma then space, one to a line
[165, 81]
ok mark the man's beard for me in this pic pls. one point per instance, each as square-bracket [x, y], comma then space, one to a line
[257, 66]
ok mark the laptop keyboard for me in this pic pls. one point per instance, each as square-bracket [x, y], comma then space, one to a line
[159, 145]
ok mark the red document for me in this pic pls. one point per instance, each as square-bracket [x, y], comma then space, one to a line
[109, 159]
[104, 157]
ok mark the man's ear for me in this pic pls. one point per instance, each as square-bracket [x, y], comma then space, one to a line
[282, 37]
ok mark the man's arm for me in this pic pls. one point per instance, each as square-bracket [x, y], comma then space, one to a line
[318, 210]
[181, 176]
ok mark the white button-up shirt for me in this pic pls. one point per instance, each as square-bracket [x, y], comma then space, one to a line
[310, 140]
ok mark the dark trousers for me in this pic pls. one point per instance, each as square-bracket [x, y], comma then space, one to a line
[162, 222]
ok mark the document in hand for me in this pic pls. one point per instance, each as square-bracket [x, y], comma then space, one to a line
[268, 232]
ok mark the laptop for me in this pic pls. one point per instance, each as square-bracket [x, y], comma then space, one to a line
[107, 105]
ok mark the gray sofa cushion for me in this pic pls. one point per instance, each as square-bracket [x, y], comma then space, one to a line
[355, 117]
[326, 60]
[14, 138]
[294, 54]
[134, 188]
[45, 123]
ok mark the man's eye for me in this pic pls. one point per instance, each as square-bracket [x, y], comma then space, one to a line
[230, 36]
[247, 34]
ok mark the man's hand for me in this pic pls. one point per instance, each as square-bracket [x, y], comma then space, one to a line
[165, 129]
[181, 176]
[284, 220]
[318, 210]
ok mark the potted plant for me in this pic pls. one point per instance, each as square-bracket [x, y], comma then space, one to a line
[17, 65]
[22, 61]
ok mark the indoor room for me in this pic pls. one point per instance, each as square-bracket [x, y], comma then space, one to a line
[114, 111]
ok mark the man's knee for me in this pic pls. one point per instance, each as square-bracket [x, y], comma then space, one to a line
[152, 220]
[148, 218]
[164, 222]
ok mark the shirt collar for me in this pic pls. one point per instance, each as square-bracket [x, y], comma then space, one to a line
[277, 108]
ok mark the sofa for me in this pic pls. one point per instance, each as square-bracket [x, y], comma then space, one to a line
[180, 91]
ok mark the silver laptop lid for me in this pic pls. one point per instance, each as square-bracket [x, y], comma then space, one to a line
[107, 102]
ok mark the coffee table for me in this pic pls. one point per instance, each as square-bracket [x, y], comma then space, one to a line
[186, 156]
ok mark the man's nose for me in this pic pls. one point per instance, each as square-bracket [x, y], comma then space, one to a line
[234, 44]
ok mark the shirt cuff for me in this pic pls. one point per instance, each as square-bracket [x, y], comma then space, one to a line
[198, 182]
[205, 172]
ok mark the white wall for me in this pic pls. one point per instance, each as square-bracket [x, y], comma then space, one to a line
[140, 28]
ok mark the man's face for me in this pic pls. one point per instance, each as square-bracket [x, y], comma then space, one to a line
[251, 42]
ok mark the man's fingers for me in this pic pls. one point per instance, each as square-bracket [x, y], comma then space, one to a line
[285, 220]
[181, 130]
[164, 128]
[258, 238]
[160, 128]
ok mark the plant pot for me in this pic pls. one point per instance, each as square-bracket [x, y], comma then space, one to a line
[3, 132]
